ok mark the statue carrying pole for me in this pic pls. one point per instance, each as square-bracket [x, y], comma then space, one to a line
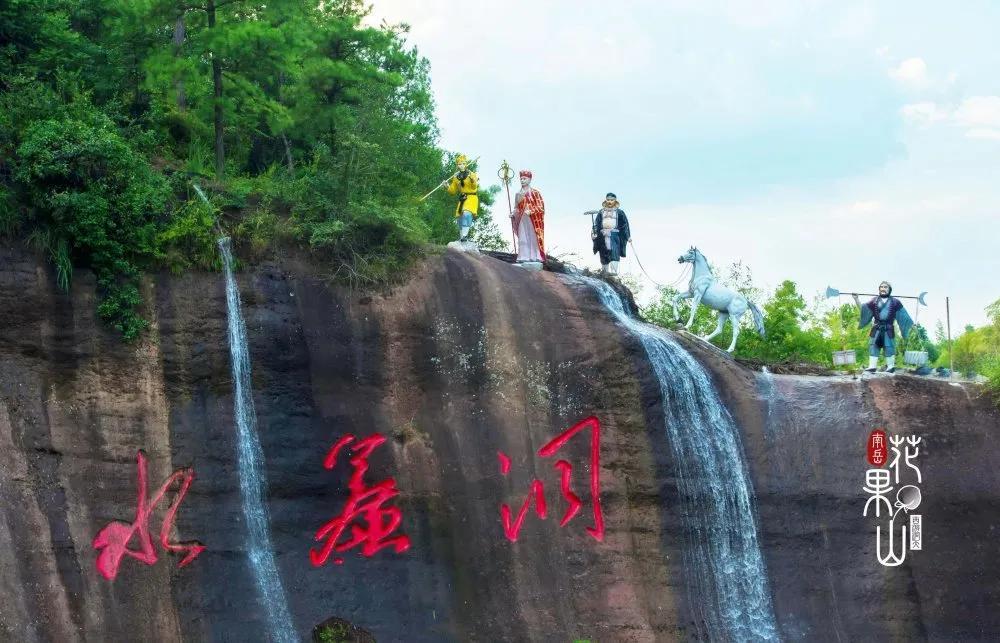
[506, 175]
[833, 292]
[445, 182]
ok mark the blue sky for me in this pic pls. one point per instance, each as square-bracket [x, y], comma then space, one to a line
[831, 143]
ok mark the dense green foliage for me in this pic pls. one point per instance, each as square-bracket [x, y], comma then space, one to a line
[95, 198]
[976, 350]
[302, 125]
[797, 331]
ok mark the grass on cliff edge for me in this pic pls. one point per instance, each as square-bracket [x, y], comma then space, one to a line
[136, 218]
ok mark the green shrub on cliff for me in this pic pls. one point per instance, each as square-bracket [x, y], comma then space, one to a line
[991, 362]
[98, 201]
[977, 351]
[187, 238]
[990, 368]
[794, 334]
[303, 125]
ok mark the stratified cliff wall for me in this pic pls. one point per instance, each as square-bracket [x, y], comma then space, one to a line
[805, 439]
[470, 358]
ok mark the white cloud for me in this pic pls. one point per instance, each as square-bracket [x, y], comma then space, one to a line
[865, 207]
[850, 212]
[989, 134]
[923, 114]
[854, 22]
[978, 116]
[912, 72]
[979, 112]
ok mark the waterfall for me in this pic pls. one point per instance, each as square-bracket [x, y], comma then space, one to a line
[253, 484]
[767, 390]
[724, 568]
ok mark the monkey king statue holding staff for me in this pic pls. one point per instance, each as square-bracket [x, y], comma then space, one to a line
[610, 234]
[883, 310]
[529, 222]
[465, 184]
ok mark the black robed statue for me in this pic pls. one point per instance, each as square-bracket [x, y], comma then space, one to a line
[610, 234]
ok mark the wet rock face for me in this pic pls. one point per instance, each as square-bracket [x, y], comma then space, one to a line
[470, 358]
[805, 439]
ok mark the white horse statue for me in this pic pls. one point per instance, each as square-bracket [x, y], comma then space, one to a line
[704, 289]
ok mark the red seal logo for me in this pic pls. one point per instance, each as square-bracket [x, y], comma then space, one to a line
[876, 448]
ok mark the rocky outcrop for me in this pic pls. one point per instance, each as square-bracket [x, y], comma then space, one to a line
[805, 439]
[471, 357]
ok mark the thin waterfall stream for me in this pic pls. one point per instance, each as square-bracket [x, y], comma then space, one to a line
[253, 484]
[724, 567]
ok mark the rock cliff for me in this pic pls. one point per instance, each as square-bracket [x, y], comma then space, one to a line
[470, 358]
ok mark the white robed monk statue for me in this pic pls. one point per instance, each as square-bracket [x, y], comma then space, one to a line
[529, 224]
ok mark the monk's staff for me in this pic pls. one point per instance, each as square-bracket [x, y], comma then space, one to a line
[506, 175]
[445, 182]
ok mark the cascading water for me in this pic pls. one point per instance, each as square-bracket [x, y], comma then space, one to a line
[765, 385]
[253, 484]
[722, 558]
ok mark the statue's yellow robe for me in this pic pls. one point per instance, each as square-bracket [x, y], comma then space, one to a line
[468, 189]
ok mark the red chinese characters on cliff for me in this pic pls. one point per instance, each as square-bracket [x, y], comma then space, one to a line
[371, 522]
[113, 539]
[512, 525]
[877, 448]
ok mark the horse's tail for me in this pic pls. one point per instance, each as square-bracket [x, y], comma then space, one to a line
[758, 318]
